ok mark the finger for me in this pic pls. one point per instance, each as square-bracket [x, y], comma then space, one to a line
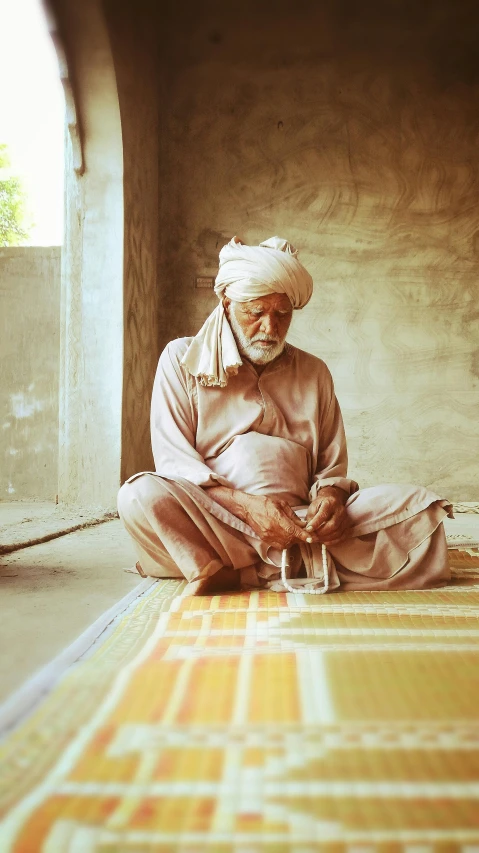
[291, 515]
[329, 533]
[331, 528]
[297, 534]
[334, 536]
[288, 512]
[323, 515]
[284, 533]
[290, 523]
[332, 533]
[300, 535]
[334, 521]
[313, 509]
[282, 543]
[319, 537]
[338, 539]
[332, 539]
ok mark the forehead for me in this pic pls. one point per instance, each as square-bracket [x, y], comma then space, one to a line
[272, 302]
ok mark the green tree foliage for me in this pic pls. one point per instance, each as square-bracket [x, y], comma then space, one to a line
[12, 205]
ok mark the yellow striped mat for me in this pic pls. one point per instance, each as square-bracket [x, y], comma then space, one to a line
[273, 722]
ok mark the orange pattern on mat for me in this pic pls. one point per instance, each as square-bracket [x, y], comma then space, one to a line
[260, 721]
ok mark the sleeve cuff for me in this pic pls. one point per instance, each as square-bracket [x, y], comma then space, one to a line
[348, 486]
[197, 477]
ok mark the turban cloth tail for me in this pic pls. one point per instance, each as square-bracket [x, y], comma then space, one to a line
[245, 273]
[213, 354]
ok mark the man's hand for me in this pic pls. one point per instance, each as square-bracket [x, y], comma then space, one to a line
[326, 519]
[272, 519]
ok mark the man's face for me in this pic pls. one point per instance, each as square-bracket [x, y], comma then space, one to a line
[260, 326]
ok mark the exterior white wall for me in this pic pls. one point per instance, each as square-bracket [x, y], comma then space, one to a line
[29, 372]
[92, 272]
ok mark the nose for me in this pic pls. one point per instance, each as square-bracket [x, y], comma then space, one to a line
[268, 325]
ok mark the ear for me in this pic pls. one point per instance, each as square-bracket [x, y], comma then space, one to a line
[226, 305]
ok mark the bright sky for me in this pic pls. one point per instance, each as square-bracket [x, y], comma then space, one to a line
[32, 115]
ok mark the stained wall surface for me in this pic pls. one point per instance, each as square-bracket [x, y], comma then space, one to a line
[29, 373]
[350, 129]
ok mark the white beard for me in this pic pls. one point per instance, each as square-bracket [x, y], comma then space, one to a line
[246, 347]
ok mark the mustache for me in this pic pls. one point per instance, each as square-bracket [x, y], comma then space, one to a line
[268, 338]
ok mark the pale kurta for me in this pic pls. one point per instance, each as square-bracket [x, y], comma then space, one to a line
[280, 433]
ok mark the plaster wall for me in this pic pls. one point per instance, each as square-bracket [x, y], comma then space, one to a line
[29, 379]
[351, 129]
[110, 341]
[92, 269]
[134, 51]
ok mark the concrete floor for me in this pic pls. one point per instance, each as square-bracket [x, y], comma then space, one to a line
[14, 512]
[50, 593]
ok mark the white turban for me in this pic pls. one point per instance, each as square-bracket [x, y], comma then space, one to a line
[246, 273]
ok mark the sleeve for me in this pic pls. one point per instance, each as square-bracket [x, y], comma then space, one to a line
[332, 463]
[173, 426]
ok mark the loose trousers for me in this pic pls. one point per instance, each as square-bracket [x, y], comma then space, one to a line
[396, 538]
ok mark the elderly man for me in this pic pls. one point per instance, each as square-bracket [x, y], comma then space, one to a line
[251, 458]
